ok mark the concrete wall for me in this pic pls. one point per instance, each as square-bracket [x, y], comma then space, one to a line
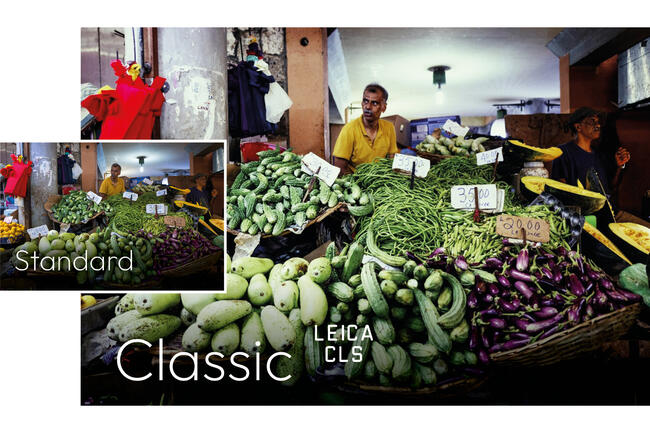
[193, 60]
[43, 181]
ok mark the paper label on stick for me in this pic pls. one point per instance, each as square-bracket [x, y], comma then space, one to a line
[490, 156]
[147, 181]
[134, 196]
[511, 226]
[64, 228]
[161, 209]
[161, 193]
[151, 209]
[327, 173]
[462, 196]
[404, 163]
[126, 195]
[9, 219]
[454, 128]
[94, 197]
[37, 232]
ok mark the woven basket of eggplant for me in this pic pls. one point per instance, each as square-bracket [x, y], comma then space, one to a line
[535, 306]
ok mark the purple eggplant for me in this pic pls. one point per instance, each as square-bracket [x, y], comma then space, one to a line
[593, 275]
[522, 260]
[503, 281]
[483, 356]
[481, 287]
[518, 335]
[489, 312]
[545, 312]
[506, 306]
[589, 311]
[488, 298]
[493, 263]
[616, 296]
[523, 289]
[600, 298]
[549, 331]
[535, 327]
[493, 289]
[497, 323]
[575, 286]
[547, 273]
[461, 264]
[547, 302]
[573, 315]
[522, 276]
[516, 302]
[437, 251]
[485, 337]
[473, 338]
[472, 301]
[514, 344]
[413, 257]
[561, 251]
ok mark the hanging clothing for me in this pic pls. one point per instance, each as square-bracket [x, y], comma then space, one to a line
[17, 175]
[246, 108]
[129, 111]
[64, 166]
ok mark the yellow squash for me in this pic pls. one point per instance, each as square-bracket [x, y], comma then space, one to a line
[588, 201]
[633, 239]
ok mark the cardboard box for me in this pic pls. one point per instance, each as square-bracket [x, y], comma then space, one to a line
[402, 129]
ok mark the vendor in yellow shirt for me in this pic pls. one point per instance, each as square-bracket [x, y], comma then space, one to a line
[114, 184]
[368, 137]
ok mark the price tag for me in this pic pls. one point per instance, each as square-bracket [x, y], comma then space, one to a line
[161, 209]
[404, 163]
[327, 173]
[9, 219]
[490, 156]
[94, 197]
[172, 221]
[134, 196]
[511, 226]
[161, 193]
[147, 181]
[64, 228]
[126, 195]
[462, 196]
[37, 232]
[454, 128]
[151, 209]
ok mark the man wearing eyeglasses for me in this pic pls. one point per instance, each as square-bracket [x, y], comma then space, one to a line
[367, 137]
[582, 154]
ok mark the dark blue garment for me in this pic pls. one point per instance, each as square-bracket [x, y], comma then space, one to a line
[198, 197]
[64, 169]
[574, 163]
[246, 107]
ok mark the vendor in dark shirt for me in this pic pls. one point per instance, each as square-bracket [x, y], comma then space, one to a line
[582, 154]
[198, 194]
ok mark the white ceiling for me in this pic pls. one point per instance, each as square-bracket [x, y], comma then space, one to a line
[160, 157]
[488, 65]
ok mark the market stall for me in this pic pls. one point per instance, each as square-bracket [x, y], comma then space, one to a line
[121, 231]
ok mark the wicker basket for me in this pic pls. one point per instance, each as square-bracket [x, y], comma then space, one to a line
[456, 388]
[572, 342]
[194, 267]
[433, 157]
[147, 284]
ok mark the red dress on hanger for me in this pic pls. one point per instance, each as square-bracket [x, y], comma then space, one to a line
[129, 111]
[17, 175]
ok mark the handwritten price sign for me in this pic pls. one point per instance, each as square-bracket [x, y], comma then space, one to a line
[147, 181]
[94, 197]
[404, 163]
[161, 193]
[36, 232]
[326, 172]
[462, 196]
[454, 128]
[511, 226]
[490, 156]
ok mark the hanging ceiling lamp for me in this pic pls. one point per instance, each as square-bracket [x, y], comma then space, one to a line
[439, 77]
[141, 162]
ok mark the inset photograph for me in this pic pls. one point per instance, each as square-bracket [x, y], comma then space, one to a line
[148, 82]
[112, 215]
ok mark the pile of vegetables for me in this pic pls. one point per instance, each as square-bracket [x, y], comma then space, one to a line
[76, 208]
[175, 247]
[268, 195]
[120, 244]
[525, 294]
[451, 146]
[141, 188]
[421, 219]
[131, 216]
[11, 232]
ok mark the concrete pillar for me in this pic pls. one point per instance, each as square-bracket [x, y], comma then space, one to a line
[193, 60]
[89, 167]
[307, 79]
[43, 180]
